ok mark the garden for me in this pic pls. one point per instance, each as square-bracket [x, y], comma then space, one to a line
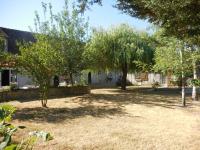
[125, 116]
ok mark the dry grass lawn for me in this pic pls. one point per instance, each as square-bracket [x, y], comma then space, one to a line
[112, 119]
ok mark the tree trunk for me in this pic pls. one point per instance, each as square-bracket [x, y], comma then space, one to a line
[183, 91]
[124, 76]
[71, 79]
[194, 89]
[182, 80]
[44, 90]
[44, 97]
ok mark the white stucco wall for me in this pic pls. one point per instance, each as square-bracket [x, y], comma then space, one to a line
[99, 78]
[23, 80]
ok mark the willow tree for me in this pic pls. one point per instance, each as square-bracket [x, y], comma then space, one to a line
[119, 48]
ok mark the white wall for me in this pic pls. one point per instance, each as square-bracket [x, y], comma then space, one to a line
[99, 78]
[23, 80]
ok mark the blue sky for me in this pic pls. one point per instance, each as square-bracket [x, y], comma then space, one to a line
[19, 14]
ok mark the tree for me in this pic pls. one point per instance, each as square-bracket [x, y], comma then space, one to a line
[172, 55]
[179, 18]
[58, 47]
[41, 59]
[117, 49]
[71, 29]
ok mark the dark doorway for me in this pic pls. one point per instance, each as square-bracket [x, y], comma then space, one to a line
[56, 81]
[5, 78]
[89, 78]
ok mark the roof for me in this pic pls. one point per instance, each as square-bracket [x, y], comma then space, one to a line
[13, 36]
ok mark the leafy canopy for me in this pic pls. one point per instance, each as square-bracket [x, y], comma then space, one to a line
[110, 49]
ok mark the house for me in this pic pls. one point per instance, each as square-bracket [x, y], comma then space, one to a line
[9, 75]
[103, 79]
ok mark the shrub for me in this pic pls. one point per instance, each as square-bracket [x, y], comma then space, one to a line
[119, 81]
[13, 86]
[195, 82]
[155, 85]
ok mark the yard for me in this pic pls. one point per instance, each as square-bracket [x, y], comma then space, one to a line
[113, 119]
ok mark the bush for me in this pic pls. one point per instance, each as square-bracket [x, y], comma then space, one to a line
[119, 81]
[195, 82]
[155, 85]
[13, 86]
[176, 82]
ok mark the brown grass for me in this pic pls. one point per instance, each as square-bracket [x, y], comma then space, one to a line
[112, 119]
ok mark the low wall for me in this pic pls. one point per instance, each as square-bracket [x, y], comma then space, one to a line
[29, 94]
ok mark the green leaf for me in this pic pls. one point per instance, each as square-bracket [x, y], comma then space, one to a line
[11, 147]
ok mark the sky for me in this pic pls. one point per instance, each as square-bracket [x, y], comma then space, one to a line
[19, 14]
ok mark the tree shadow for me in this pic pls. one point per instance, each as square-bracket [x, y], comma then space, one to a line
[103, 104]
[56, 115]
[167, 98]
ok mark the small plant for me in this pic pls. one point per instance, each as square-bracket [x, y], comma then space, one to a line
[13, 86]
[45, 136]
[155, 85]
[7, 130]
[82, 82]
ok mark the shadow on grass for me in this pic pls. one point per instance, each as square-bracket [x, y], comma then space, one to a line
[167, 98]
[53, 115]
[105, 103]
[29, 99]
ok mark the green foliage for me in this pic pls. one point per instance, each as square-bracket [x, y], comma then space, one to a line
[58, 47]
[2, 44]
[108, 50]
[7, 130]
[178, 18]
[6, 112]
[72, 29]
[82, 81]
[27, 144]
[119, 48]
[195, 82]
[13, 86]
[40, 60]
[167, 55]
[11, 147]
